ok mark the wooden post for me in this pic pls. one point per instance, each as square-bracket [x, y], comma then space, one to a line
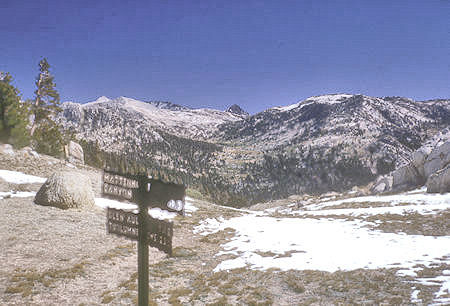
[142, 259]
[142, 249]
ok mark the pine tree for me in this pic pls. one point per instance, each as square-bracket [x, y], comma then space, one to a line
[45, 131]
[13, 114]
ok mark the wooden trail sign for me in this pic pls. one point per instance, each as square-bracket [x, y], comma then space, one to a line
[120, 187]
[122, 223]
[159, 235]
[145, 192]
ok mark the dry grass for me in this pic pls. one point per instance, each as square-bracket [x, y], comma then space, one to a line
[121, 250]
[413, 223]
[25, 281]
[175, 294]
[219, 237]
[183, 252]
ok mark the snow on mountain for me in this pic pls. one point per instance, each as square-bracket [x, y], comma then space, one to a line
[323, 143]
[325, 99]
[102, 99]
[172, 118]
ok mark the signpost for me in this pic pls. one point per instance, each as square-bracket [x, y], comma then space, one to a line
[145, 192]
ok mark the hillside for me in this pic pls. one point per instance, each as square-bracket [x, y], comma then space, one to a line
[386, 250]
[324, 143]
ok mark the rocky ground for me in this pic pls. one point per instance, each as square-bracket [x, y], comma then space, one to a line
[65, 257]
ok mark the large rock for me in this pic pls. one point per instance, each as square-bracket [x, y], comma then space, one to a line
[406, 177]
[67, 189]
[74, 152]
[383, 184]
[437, 159]
[418, 160]
[439, 181]
[28, 151]
[6, 149]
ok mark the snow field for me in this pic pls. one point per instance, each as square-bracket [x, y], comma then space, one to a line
[327, 244]
[320, 244]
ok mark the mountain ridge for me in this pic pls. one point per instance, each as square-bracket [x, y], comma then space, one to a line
[323, 143]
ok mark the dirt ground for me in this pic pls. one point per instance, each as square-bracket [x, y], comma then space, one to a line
[50, 256]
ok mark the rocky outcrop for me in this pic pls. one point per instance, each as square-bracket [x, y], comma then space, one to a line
[427, 165]
[67, 189]
[437, 159]
[237, 110]
[439, 181]
[74, 153]
[383, 184]
[406, 176]
[6, 149]
[28, 151]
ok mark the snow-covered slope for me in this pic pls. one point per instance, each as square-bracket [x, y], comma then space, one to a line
[172, 118]
[325, 99]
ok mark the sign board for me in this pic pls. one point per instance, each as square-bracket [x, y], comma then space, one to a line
[160, 234]
[164, 195]
[126, 224]
[122, 223]
[144, 191]
[119, 187]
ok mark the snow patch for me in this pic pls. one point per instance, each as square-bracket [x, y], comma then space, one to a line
[326, 245]
[155, 212]
[16, 194]
[16, 177]
[105, 203]
[325, 99]
[161, 214]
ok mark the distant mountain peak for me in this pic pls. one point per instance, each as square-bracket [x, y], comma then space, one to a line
[102, 99]
[237, 110]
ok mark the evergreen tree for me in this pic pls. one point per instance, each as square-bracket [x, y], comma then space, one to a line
[45, 131]
[13, 114]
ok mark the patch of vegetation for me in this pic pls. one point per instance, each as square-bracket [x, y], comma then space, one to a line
[219, 237]
[413, 223]
[220, 302]
[295, 282]
[233, 287]
[256, 296]
[162, 269]
[176, 293]
[195, 194]
[121, 250]
[183, 252]
[107, 297]
[131, 283]
[26, 280]
[266, 254]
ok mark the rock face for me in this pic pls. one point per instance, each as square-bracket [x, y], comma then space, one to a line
[427, 165]
[65, 190]
[406, 176]
[437, 159]
[74, 153]
[439, 181]
[237, 110]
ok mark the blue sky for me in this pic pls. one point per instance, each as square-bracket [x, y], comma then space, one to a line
[208, 53]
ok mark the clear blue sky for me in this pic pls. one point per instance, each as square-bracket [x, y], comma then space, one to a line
[207, 53]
